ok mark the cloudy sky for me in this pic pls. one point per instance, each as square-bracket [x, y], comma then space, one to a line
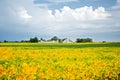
[96, 19]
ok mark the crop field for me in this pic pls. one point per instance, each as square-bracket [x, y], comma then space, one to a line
[46, 61]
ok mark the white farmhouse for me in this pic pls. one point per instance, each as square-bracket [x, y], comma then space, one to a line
[66, 40]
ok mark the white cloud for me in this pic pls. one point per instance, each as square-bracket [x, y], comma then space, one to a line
[43, 19]
[82, 13]
[23, 13]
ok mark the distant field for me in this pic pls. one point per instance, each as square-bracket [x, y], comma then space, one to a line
[43, 61]
[59, 45]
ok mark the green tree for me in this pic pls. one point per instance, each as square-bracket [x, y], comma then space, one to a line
[35, 39]
[78, 40]
[60, 40]
[5, 41]
[55, 38]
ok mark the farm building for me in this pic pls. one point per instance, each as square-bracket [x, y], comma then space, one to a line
[48, 41]
[66, 40]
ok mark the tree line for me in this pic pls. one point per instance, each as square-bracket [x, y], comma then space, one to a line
[78, 40]
[55, 38]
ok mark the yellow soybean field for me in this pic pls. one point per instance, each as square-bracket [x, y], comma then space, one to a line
[38, 61]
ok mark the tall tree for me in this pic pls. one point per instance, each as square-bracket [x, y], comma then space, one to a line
[35, 39]
[83, 40]
[55, 38]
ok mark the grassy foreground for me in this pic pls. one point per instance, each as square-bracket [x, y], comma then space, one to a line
[36, 61]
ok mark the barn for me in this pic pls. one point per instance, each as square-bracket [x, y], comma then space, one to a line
[67, 40]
